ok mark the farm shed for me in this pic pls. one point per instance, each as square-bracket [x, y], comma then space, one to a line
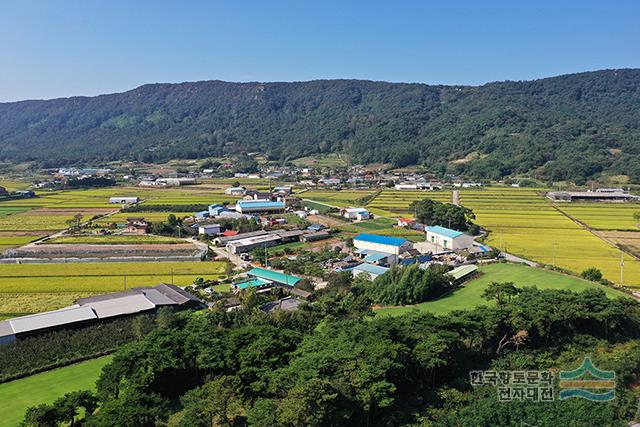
[124, 200]
[273, 276]
[463, 272]
[263, 206]
[375, 242]
[372, 270]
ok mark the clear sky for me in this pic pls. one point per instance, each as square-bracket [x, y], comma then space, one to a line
[53, 48]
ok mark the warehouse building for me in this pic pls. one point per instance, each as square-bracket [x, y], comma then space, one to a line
[248, 244]
[600, 195]
[261, 278]
[378, 243]
[94, 309]
[259, 206]
[124, 200]
[446, 238]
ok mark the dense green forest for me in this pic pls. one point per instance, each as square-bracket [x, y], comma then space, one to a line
[332, 364]
[569, 127]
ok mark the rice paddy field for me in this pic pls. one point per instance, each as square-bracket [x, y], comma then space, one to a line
[30, 288]
[396, 202]
[25, 220]
[339, 198]
[523, 222]
[603, 216]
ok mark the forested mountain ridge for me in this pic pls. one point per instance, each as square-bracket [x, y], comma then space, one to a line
[568, 127]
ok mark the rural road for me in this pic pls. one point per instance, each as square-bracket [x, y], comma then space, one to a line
[455, 197]
[513, 258]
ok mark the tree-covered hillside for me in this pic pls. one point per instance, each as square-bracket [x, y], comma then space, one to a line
[568, 127]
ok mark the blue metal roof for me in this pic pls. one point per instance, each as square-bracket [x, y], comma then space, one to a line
[444, 231]
[383, 240]
[370, 268]
[259, 205]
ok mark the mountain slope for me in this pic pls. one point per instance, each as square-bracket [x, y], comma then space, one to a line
[567, 127]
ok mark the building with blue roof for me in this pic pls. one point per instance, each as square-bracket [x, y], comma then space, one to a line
[446, 238]
[216, 210]
[379, 243]
[259, 206]
[202, 214]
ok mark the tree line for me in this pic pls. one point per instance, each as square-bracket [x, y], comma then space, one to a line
[332, 363]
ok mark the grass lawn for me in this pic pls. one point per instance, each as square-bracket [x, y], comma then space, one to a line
[16, 396]
[470, 295]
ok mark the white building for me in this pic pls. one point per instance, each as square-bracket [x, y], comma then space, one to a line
[235, 191]
[447, 238]
[386, 244]
[209, 229]
[124, 200]
[356, 213]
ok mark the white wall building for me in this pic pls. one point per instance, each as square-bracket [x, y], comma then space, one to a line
[209, 229]
[386, 244]
[124, 200]
[447, 238]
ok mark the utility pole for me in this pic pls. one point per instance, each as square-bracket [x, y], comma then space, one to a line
[266, 256]
[555, 250]
[125, 282]
[172, 276]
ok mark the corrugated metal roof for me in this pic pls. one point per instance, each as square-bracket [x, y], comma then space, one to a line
[119, 306]
[373, 269]
[274, 276]
[50, 319]
[444, 231]
[374, 256]
[177, 294]
[251, 283]
[259, 204]
[6, 329]
[157, 297]
[463, 271]
[383, 240]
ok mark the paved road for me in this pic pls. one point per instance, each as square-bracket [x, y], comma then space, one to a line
[222, 253]
[455, 197]
[513, 258]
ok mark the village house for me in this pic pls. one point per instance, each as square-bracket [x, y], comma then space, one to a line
[136, 225]
[446, 238]
[235, 191]
[358, 214]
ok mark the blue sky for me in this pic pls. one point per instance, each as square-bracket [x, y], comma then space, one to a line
[53, 48]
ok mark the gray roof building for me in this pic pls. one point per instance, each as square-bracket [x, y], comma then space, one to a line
[138, 300]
